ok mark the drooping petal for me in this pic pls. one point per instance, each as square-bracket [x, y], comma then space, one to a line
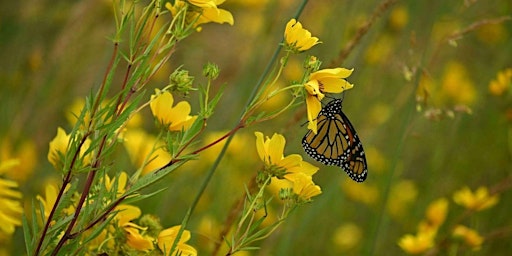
[313, 108]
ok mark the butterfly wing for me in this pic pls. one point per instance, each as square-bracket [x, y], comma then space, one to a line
[336, 142]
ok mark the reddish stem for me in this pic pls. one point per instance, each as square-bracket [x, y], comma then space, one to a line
[65, 182]
[85, 193]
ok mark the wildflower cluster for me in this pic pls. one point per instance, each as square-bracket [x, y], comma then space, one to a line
[95, 215]
[435, 216]
[101, 123]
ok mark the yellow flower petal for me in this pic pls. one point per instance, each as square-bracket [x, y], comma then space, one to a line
[166, 239]
[276, 147]
[186, 250]
[203, 3]
[290, 161]
[135, 240]
[176, 118]
[216, 15]
[127, 213]
[331, 72]
[303, 186]
[308, 168]
[161, 104]
[11, 210]
[335, 85]
[260, 145]
[58, 146]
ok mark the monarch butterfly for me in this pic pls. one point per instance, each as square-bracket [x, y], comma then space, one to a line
[336, 142]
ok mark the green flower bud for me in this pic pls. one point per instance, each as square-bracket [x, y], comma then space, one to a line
[211, 71]
[181, 81]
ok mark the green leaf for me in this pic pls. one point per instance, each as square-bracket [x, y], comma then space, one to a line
[140, 197]
[27, 235]
[152, 177]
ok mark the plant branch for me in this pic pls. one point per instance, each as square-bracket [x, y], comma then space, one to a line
[85, 193]
[363, 29]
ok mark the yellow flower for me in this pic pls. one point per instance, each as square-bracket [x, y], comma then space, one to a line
[320, 82]
[304, 186]
[214, 14]
[137, 241]
[347, 236]
[380, 49]
[207, 12]
[502, 82]
[470, 236]
[175, 118]
[493, 34]
[404, 193]
[121, 183]
[49, 200]
[271, 152]
[59, 146]
[11, 210]
[477, 201]
[144, 149]
[416, 244]
[457, 85]
[436, 212]
[11, 154]
[126, 213]
[297, 38]
[166, 239]
[399, 17]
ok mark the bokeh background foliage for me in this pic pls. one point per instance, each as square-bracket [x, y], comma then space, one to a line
[421, 105]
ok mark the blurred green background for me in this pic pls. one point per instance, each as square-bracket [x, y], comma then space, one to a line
[421, 105]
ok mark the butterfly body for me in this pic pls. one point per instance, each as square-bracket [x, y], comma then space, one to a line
[336, 142]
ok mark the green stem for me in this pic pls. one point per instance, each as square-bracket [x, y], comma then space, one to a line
[254, 201]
